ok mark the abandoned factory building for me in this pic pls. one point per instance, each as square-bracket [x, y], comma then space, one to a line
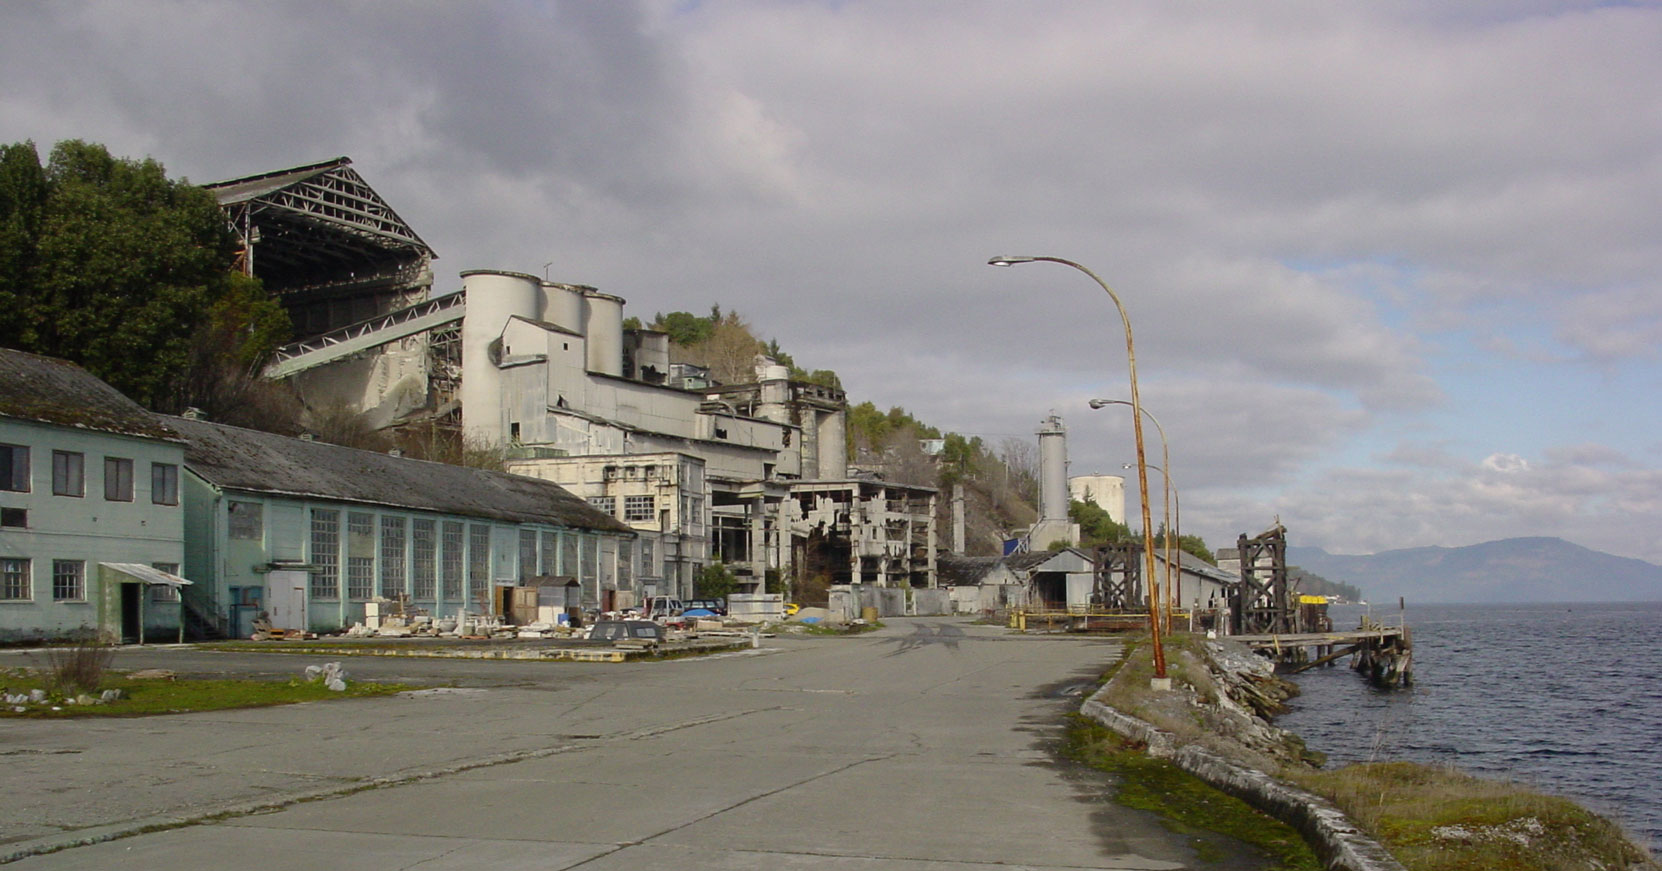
[753, 475]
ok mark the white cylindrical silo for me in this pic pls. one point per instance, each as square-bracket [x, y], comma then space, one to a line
[775, 390]
[492, 298]
[603, 332]
[563, 305]
[1053, 469]
[1107, 491]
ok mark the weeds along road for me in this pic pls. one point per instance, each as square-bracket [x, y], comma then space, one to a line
[925, 745]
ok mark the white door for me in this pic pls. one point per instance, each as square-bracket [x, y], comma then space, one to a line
[285, 600]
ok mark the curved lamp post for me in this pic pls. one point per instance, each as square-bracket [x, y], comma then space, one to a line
[1165, 460]
[1154, 627]
[1173, 593]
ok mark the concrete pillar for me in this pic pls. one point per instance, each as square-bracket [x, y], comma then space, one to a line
[957, 519]
[833, 446]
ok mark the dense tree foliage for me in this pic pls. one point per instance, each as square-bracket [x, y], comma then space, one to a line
[714, 581]
[110, 264]
[1095, 526]
[725, 343]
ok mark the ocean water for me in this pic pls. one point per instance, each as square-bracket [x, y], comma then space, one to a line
[1566, 698]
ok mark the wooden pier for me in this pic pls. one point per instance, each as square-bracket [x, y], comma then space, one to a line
[1382, 654]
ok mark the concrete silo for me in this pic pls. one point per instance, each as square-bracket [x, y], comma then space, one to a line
[492, 298]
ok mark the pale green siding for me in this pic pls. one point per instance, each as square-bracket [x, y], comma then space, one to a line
[87, 530]
[233, 570]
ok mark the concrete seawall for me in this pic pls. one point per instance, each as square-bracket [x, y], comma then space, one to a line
[1330, 833]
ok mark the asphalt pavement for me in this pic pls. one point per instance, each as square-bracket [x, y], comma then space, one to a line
[926, 745]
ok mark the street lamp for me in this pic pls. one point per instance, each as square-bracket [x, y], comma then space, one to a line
[1165, 459]
[1154, 627]
[1174, 595]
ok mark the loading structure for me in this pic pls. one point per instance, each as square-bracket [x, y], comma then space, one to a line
[1118, 584]
[1264, 601]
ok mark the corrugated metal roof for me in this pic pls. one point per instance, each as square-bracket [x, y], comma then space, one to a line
[146, 574]
[259, 462]
[963, 570]
[49, 390]
[241, 190]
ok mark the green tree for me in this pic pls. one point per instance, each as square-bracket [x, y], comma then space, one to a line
[1095, 526]
[960, 458]
[684, 328]
[112, 265]
[714, 581]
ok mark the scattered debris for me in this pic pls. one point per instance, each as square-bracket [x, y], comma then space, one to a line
[264, 631]
[332, 675]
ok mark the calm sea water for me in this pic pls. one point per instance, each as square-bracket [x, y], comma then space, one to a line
[1566, 698]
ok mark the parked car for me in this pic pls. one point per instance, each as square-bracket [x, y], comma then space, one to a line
[714, 607]
[661, 607]
[627, 630]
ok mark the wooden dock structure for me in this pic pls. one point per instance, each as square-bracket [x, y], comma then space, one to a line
[1382, 654]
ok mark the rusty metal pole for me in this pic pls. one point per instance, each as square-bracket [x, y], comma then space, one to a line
[1154, 627]
[1170, 488]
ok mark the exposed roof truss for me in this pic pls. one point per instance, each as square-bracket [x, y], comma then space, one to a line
[320, 226]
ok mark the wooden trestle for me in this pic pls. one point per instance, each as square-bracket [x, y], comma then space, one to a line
[1382, 654]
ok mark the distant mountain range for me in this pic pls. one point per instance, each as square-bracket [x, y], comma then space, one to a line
[1509, 570]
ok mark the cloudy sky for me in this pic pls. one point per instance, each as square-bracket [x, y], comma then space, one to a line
[1394, 269]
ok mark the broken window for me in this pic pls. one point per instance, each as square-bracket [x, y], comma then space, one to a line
[326, 553]
[550, 552]
[423, 557]
[639, 509]
[394, 531]
[478, 562]
[568, 554]
[450, 571]
[527, 554]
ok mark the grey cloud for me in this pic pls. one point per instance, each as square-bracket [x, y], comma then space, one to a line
[1288, 198]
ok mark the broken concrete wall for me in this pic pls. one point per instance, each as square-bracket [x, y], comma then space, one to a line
[932, 602]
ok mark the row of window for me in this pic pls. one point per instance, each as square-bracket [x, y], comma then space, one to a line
[636, 509]
[427, 558]
[69, 581]
[69, 476]
[17, 583]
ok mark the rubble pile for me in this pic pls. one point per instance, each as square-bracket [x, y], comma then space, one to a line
[38, 699]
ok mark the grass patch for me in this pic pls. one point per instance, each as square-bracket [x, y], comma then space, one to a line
[148, 697]
[1440, 819]
[1187, 804]
[841, 628]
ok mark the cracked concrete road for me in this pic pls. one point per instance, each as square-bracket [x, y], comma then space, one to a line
[922, 747]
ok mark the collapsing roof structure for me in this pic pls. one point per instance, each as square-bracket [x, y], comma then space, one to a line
[320, 229]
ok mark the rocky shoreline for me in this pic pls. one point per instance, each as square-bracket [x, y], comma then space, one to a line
[1217, 724]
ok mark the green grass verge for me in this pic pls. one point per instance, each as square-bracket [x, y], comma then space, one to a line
[1190, 806]
[841, 628]
[1440, 819]
[149, 697]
